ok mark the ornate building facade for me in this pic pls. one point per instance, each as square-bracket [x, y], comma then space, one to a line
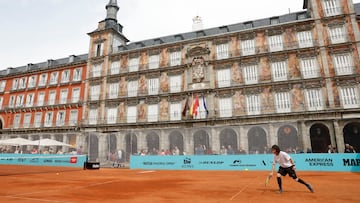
[291, 80]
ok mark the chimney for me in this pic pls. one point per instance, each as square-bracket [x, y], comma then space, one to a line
[71, 58]
[197, 23]
[50, 62]
[29, 65]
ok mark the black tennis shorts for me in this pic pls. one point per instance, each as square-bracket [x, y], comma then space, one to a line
[289, 170]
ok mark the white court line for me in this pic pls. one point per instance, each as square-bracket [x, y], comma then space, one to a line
[146, 172]
[242, 189]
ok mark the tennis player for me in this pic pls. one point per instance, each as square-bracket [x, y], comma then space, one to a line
[287, 166]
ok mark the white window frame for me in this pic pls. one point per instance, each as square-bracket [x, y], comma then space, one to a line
[153, 113]
[40, 99]
[222, 51]
[64, 96]
[73, 120]
[131, 114]
[314, 99]
[17, 118]
[15, 84]
[52, 98]
[2, 85]
[175, 111]
[65, 76]
[175, 83]
[279, 71]
[134, 64]
[248, 47]
[223, 77]
[153, 86]
[331, 7]
[32, 81]
[93, 116]
[96, 70]
[37, 119]
[42, 80]
[115, 68]
[60, 118]
[343, 64]
[337, 34]
[113, 90]
[95, 92]
[112, 115]
[132, 87]
[12, 101]
[154, 61]
[77, 74]
[349, 97]
[283, 102]
[30, 99]
[48, 120]
[276, 43]
[54, 78]
[1, 102]
[225, 107]
[305, 39]
[253, 104]
[251, 74]
[20, 100]
[22, 83]
[175, 58]
[27, 120]
[309, 68]
[75, 95]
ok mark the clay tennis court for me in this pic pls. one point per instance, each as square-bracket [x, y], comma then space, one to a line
[54, 184]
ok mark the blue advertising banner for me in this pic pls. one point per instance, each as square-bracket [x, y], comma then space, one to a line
[304, 162]
[43, 160]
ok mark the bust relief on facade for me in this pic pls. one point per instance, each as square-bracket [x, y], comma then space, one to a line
[164, 82]
[142, 112]
[142, 85]
[297, 97]
[239, 103]
[164, 109]
[123, 86]
[198, 69]
[236, 73]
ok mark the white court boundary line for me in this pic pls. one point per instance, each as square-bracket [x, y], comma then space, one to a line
[141, 172]
[242, 189]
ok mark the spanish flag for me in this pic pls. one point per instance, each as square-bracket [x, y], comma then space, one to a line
[192, 105]
[196, 106]
[186, 107]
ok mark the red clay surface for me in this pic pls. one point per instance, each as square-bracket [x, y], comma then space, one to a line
[50, 184]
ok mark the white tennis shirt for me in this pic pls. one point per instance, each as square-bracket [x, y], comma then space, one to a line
[283, 159]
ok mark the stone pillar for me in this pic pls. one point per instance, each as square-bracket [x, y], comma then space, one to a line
[103, 149]
[339, 137]
[273, 136]
[244, 141]
[215, 140]
[188, 142]
[305, 136]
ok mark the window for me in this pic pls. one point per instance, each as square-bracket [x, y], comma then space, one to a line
[12, 101]
[54, 78]
[60, 118]
[30, 100]
[304, 39]
[42, 80]
[283, 102]
[132, 88]
[131, 114]
[134, 64]
[99, 49]
[275, 43]
[349, 97]
[63, 96]
[337, 34]
[1, 102]
[153, 86]
[113, 90]
[202, 113]
[314, 100]
[20, 101]
[248, 47]
[111, 115]
[279, 71]
[27, 119]
[40, 99]
[331, 7]
[65, 76]
[309, 68]
[16, 123]
[32, 81]
[175, 58]
[95, 92]
[175, 83]
[75, 96]
[37, 120]
[52, 98]
[77, 74]
[225, 107]
[96, 70]
[250, 74]
[223, 77]
[2, 85]
[222, 51]
[253, 104]
[154, 61]
[48, 119]
[274, 21]
[15, 84]
[115, 67]
[175, 111]
[93, 116]
[22, 83]
[153, 113]
[73, 120]
[343, 64]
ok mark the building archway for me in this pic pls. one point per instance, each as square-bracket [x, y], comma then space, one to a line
[257, 140]
[93, 144]
[228, 138]
[176, 140]
[320, 138]
[287, 138]
[351, 134]
[131, 145]
[201, 142]
[153, 143]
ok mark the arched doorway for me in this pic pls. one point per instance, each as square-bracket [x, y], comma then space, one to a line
[201, 142]
[93, 147]
[320, 138]
[176, 140]
[351, 134]
[257, 140]
[153, 143]
[112, 143]
[288, 139]
[131, 145]
[228, 139]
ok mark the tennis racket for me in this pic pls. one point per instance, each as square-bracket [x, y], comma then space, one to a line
[267, 180]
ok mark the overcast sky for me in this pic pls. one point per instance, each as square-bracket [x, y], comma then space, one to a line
[34, 31]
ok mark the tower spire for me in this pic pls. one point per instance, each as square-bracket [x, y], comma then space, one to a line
[111, 10]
